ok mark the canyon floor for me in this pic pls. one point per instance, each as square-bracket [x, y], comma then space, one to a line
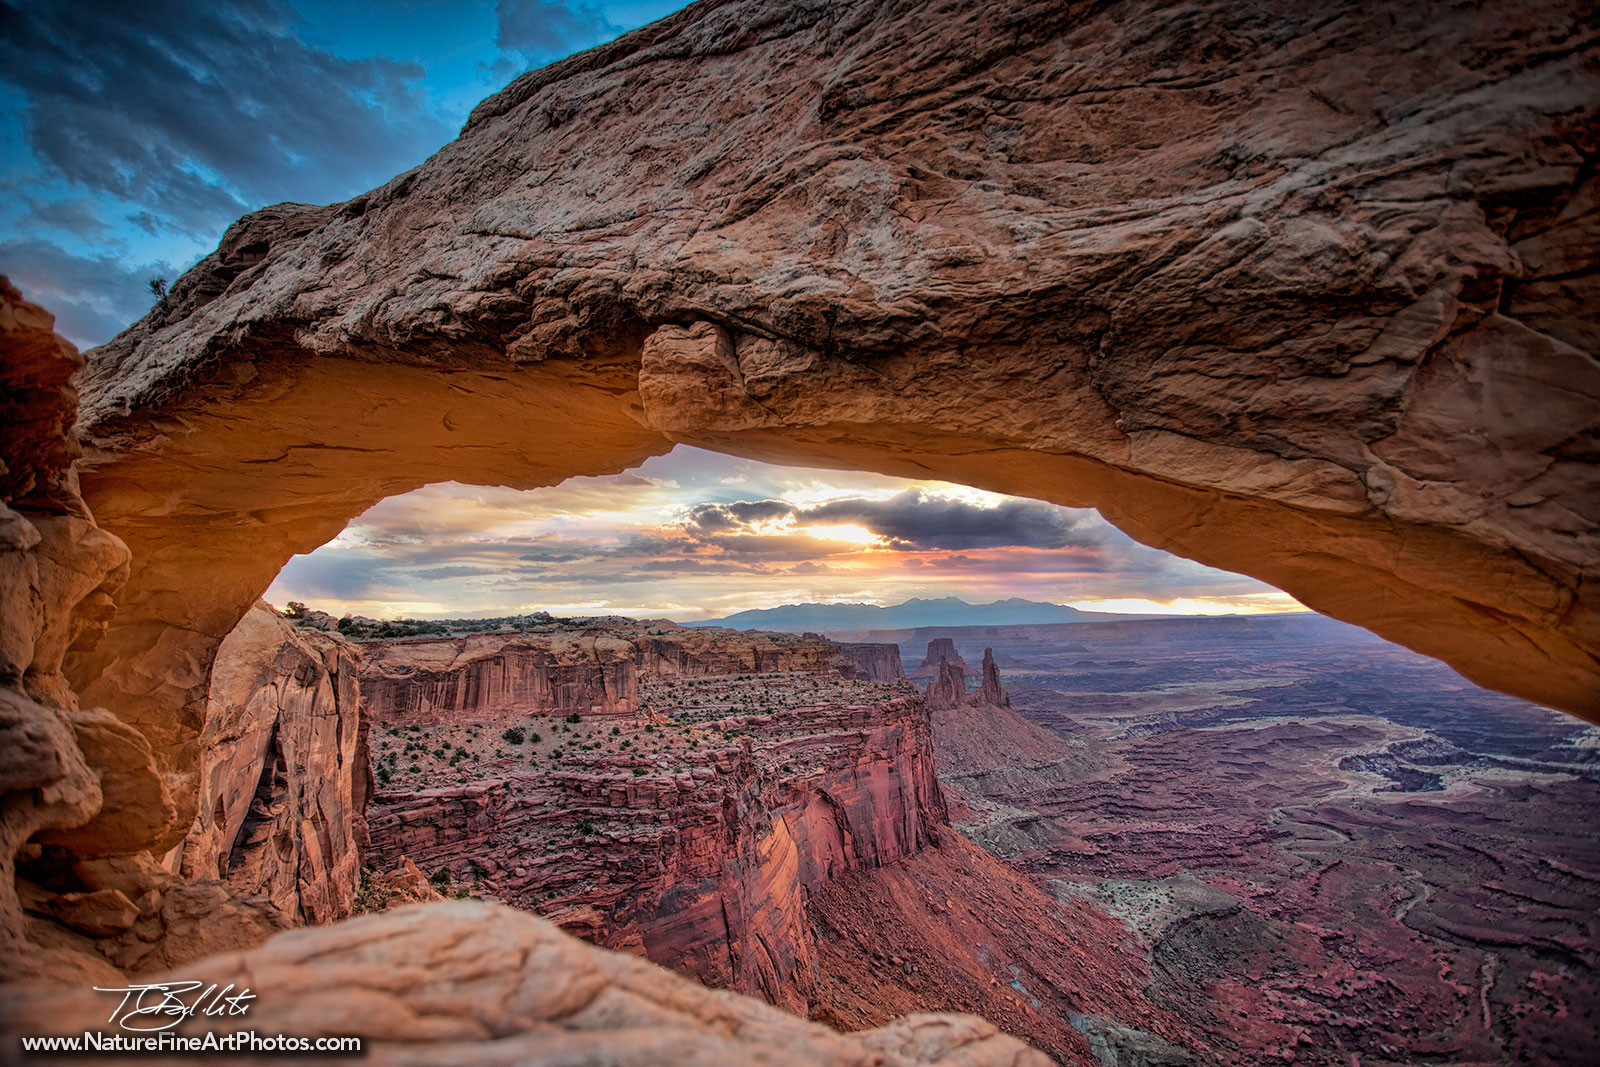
[1328, 849]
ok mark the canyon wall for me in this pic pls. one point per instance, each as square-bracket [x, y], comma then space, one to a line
[285, 774]
[439, 679]
[699, 856]
[669, 650]
[590, 670]
[876, 662]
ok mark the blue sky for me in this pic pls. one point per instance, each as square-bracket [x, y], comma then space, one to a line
[135, 133]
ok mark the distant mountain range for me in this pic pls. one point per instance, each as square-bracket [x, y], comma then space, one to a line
[945, 611]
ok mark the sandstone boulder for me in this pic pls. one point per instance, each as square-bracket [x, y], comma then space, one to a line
[464, 982]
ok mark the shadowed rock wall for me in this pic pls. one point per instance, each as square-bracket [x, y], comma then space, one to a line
[284, 769]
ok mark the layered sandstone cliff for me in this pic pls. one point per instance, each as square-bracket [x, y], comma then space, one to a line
[587, 666]
[441, 679]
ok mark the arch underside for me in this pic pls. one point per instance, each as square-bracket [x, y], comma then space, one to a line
[1343, 343]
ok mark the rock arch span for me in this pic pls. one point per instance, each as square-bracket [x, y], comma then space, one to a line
[1306, 294]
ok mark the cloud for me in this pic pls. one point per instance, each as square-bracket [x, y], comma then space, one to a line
[920, 520]
[198, 112]
[912, 519]
[92, 297]
[77, 215]
[641, 543]
[541, 30]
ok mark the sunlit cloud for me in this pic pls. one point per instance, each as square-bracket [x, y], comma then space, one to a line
[695, 535]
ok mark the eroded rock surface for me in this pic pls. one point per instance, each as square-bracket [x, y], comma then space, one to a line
[876, 662]
[940, 650]
[465, 982]
[58, 570]
[284, 770]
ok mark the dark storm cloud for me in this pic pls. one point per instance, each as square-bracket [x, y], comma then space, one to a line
[199, 111]
[711, 518]
[912, 520]
[917, 520]
[541, 30]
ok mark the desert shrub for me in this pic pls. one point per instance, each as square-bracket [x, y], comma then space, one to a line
[514, 735]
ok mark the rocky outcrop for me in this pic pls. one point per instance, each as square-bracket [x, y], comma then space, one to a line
[1184, 263]
[60, 764]
[991, 692]
[284, 773]
[876, 662]
[948, 688]
[941, 650]
[469, 983]
[667, 650]
[448, 679]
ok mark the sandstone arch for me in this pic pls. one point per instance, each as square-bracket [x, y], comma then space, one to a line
[1307, 295]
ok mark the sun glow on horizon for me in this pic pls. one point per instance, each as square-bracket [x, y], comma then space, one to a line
[695, 535]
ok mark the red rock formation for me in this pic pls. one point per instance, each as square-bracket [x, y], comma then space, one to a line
[949, 688]
[876, 662]
[283, 781]
[991, 692]
[76, 774]
[591, 669]
[1328, 328]
[667, 650]
[469, 983]
[452, 678]
[698, 857]
[940, 649]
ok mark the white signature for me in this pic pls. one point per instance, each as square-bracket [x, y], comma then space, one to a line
[162, 1005]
